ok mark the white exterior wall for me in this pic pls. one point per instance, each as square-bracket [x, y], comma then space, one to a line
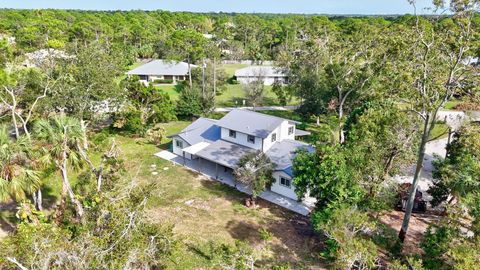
[266, 80]
[241, 139]
[282, 190]
[267, 143]
[178, 150]
[282, 134]
[285, 126]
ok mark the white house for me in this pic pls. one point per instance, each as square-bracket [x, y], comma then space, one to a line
[163, 70]
[268, 74]
[223, 142]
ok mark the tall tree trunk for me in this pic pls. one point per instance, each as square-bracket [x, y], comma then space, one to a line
[14, 121]
[37, 199]
[214, 81]
[203, 79]
[69, 190]
[190, 73]
[83, 125]
[427, 127]
[63, 168]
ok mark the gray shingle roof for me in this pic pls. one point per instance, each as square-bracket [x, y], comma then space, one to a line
[161, 67]
[282, 153]
[225, 153]
[254, 71]
[202, 130]
[252, 123]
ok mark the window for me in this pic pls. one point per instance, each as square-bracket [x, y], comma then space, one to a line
[251, 139]
[179, 143]
[285, 182]
[232, 133]
[291, 130]
[274, 137]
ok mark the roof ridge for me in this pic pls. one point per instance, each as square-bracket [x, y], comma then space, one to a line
[266, 115]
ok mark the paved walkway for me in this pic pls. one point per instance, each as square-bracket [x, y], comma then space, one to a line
[208, 169]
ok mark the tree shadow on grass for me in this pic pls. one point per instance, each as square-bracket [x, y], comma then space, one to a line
[7, 217]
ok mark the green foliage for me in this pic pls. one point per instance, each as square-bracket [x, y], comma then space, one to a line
[189, 103]
[327, 177]
[435, 244]
[347, 247]
[239, 256]
[165, 81]
[87, 81]
[114, 234]
[265, 235]
[283, 93]
[155, 135]
[458, 175]
[255, 170]
[19, 176]
[129, 121]
[410, 264]
[381, 139]
[254, 92]
[154, 105]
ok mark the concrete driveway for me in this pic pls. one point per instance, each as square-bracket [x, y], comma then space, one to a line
[437, 148]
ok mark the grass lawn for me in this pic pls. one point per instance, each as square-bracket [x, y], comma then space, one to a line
[171, 90]
[204, 211]
[231, 68]
[450, 105]
[439, 131]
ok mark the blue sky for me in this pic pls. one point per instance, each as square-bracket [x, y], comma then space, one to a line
[267, 6]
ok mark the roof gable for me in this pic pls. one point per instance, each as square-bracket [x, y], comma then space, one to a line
[252, 123]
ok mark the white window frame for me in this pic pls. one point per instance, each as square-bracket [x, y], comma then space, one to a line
[249, 137]
[285, 182]
[274, 137]
[291, 130]
[179, 143]
[232, 134]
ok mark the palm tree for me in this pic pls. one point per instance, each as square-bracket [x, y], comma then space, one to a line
[18, 178]
[255, 170]
[61, 136]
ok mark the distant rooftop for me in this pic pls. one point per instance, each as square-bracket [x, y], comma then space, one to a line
[256, 71]
[162, 67]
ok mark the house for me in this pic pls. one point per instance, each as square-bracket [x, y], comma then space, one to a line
[224, 142]
[162, 71]
[268, 74]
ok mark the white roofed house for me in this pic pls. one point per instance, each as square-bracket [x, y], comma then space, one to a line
[268, 74]
[220, 144]
[162, 71]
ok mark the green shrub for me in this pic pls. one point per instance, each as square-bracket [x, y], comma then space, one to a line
[435, 244]
[164, 81]
[265, 235]
[233, 80]
[130, 122]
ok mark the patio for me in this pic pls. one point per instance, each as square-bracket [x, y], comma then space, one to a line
[223, 175]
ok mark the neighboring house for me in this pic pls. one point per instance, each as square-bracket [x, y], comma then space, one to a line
[224, 142]
[162, 70]
[268, 74]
